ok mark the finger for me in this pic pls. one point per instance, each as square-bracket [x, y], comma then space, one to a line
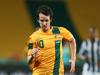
[35, 50]
[72, 70]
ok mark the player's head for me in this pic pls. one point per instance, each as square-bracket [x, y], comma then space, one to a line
[44, 17]
[93, 33]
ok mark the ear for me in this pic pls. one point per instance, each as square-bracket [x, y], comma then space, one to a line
[51, 20]
[37, 20]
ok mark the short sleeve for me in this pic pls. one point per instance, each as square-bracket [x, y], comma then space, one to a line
[66, 33]
[33, 40]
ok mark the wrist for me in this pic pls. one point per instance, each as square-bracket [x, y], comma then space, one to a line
[30, 59]
[72, 62]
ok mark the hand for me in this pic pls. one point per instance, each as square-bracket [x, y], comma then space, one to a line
[32, 54]
[31, 57]
[72, 68]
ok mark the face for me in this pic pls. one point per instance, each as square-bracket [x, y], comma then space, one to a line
[44, 22]
[92, 34]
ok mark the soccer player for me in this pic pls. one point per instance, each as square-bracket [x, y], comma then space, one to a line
[44, 54]
[90, 53]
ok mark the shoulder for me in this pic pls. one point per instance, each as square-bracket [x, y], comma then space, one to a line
[34, 34]
[60, 27]
[64, 30]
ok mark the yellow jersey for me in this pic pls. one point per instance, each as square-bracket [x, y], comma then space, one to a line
[49, 45]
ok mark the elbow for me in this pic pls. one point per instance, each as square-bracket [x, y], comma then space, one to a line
[73, 41]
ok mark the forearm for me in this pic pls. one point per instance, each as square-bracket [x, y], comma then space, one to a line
[73, 49]
[30, 53]
[30, 56]
[30, 59]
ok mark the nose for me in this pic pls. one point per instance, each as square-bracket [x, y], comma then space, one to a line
[44, 23]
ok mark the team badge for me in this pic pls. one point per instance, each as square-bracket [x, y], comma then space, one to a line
[57, 36]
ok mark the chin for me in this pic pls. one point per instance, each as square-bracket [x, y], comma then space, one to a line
[45, 30]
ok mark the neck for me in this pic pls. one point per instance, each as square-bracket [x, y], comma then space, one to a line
[47, 29]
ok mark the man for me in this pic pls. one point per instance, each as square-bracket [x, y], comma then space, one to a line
[45, 46]
[90, 52]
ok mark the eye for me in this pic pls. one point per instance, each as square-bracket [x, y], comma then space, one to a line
[41, 20]
[46, 20]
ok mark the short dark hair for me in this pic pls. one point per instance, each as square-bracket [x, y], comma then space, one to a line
[46, 10]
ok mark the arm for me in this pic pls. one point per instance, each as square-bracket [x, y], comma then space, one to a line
[31, 51]
[83, 53]
[31, 54]
[67, 35]
[73, 54]
[73, 49]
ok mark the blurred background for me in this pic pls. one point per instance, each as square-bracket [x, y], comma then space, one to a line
[17, 22]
